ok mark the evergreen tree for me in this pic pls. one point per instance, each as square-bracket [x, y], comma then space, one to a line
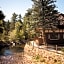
[13, 20]
[7, 27]
[1, 21]
[1, 15]
[19, 17]
[14, 16]
[44, 12]
[28, 24]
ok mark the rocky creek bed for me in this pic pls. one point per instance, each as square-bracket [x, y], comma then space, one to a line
[33, 55]
[16, 58]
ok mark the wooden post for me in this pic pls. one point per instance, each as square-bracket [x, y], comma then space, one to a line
[33, 46]
[56, 47]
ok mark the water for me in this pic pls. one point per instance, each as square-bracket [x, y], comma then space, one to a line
[11, 55]
[10, 51]
[5, 52]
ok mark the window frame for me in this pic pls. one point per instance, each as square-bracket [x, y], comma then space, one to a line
[58, 37]
[63, 36]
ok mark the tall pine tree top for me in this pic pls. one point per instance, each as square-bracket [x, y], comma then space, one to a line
[44, 11]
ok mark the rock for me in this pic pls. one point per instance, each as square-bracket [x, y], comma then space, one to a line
[50, 57]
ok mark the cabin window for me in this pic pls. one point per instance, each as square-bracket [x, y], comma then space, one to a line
[63, 36]
[54, 36]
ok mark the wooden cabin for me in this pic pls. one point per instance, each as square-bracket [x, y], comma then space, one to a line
[55, 37]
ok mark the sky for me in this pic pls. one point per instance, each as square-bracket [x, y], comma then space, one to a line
[60, 6]
[20, 7]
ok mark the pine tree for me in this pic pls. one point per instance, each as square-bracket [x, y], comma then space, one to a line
[44, 12]
[1, 15]
[13, 20]
[1, 21]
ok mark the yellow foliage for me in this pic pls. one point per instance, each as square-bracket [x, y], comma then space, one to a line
[12, 35]
[17, 24]
[21, 32]
[1, 21]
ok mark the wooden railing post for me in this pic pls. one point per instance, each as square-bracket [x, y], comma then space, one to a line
[56, 47]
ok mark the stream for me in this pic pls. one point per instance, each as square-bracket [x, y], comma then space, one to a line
[5, 52]
[11, 55]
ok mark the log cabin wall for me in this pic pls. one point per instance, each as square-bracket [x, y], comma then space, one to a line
[54, 37]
